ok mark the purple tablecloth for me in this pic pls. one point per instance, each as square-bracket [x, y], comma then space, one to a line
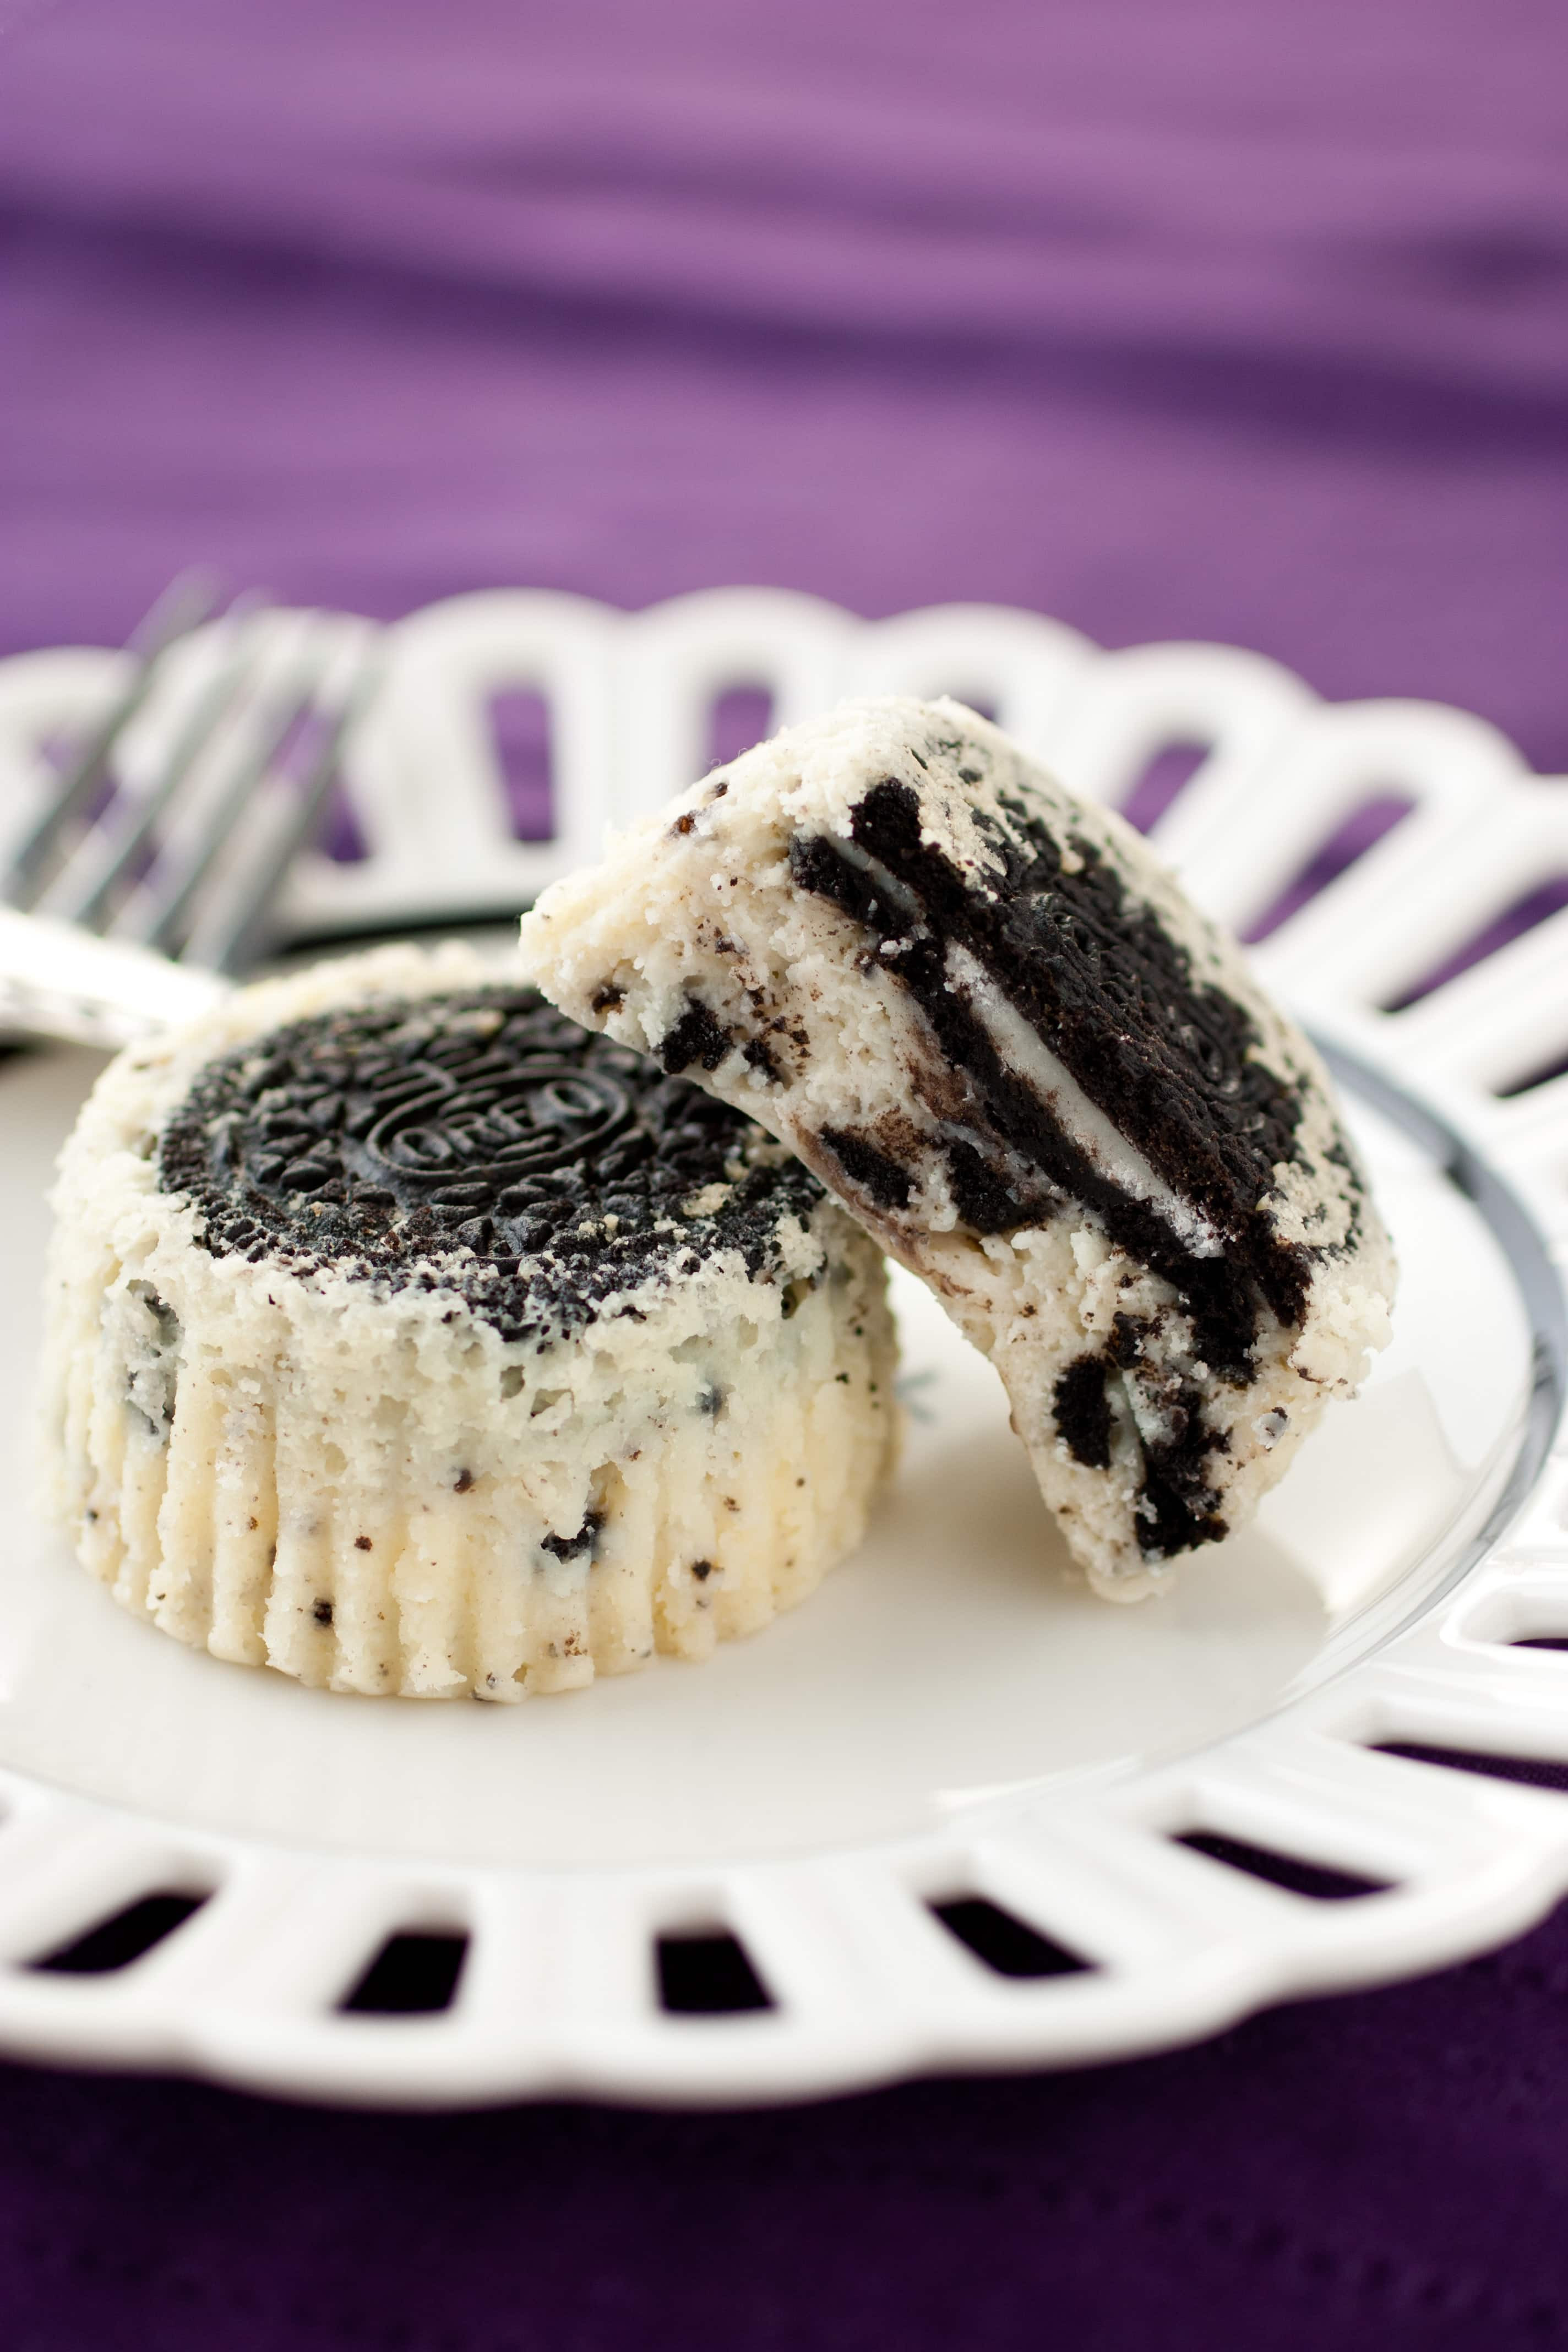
[1197, 318]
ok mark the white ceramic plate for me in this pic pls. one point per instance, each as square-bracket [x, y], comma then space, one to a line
[950, 1722]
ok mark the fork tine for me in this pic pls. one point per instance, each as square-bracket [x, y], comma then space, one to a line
[84, 892]
[183, 606]
[229, 934]
[156, 915]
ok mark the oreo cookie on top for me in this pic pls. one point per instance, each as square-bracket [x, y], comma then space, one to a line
[982, 1012]
[410, 1337]
[480, 1143]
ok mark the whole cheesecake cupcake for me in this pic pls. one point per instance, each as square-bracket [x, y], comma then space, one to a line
[407, 1338]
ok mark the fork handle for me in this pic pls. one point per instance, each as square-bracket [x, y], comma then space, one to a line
[57, 980]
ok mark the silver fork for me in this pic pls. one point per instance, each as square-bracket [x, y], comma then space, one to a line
[113, 926]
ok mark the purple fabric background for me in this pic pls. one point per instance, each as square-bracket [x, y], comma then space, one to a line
[1211, 318]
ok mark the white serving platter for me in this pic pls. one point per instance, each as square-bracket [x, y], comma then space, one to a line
[951, 1722]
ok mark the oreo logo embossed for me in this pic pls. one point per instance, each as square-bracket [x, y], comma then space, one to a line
[544, 1114]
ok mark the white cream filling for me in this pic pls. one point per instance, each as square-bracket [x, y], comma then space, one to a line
[897, 894]
[1081, 1120]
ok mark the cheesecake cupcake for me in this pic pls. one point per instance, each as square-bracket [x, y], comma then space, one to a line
[982, 1012]
[408, 1338]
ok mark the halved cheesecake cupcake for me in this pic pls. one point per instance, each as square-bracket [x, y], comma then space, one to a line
[986, 1016]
